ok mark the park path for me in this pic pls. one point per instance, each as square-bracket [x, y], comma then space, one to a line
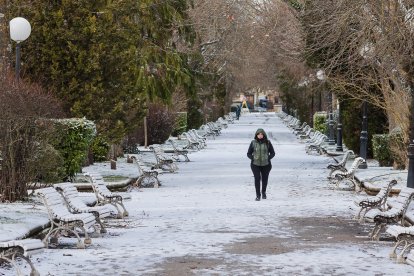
[204, 220]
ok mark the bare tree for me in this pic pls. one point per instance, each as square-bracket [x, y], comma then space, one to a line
[22, 133]
[248, 43]
[367, 48]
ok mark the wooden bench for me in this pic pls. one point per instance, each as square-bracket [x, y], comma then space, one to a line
[207, 131]
[192, 143]
[230, 118]
[303, 130]
[222, 122]
[340, 166]
[378, 201]
[300, 128]
[349, 175]
[310, 132]
[405, 241]
[76, 205]
[179, 151]
[62, 220]
[394, 215]
[23, 249]
[164, 161]
[147, 177]
[202, 140]
[317, 146]
[215, 128]
[105, 196]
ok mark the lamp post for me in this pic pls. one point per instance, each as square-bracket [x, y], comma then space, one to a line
[339, 129]
[410, 177]
[331, 140]
[20, 30]
[364, 137]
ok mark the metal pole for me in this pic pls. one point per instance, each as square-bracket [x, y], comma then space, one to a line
[364, 137]
[410, 177]
[339, 130]
[17, 61]
[331, 140]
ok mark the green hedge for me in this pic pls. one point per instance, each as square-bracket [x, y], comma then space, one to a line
[319, 122]
[72, 138]
[381, 149]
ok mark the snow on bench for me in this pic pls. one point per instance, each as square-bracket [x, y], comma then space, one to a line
[349, 175]
[378, 201]
[105, 196]
[23, 249]
[341, 165]
[164, 161]
[77, 205]
[179, 151]
[62, 220]
[405, 241]
[394, 215]
[147, 177]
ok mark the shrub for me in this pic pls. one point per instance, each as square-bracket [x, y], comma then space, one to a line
[381, 149]
[180, 125]
[100, 148]
[23, 107]
[319, 122]
[195, 116]
[72, 138]
[160, 124]
[49, 165]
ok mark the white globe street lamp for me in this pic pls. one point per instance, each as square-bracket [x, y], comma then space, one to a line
[320, 75]
[20, 30]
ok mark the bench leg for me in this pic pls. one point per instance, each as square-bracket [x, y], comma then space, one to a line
[33, 271]
[120, 212]
[55, 231]
[358, 216]
[148, 180]
[404, 251]
[376, 231]
[117, 204]
[12, 262]
[393, 253]
[99, 221]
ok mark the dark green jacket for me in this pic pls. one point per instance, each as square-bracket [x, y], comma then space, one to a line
[260, 150]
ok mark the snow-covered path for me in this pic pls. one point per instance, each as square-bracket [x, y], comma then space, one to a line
[204, 220]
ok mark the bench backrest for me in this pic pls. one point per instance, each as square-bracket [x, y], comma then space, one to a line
[345, 157]
[137, 161]
[98, 186]
[385, 191]
[71, 195]
[54, 202]
[358, 161]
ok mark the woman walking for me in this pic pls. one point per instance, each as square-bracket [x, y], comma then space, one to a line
[260, 152]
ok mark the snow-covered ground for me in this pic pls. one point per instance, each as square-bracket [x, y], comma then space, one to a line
[204, 220]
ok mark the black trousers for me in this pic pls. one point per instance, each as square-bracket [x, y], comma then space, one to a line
[260, 173]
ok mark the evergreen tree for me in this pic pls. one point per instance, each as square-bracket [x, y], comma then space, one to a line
[106, 59]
